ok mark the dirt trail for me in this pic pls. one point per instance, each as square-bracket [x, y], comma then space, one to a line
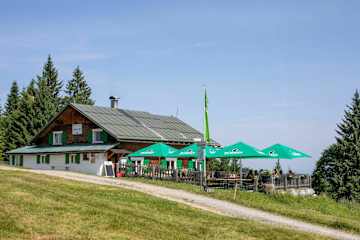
[202, 202]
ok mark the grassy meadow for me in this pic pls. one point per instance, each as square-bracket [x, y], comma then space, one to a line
[34, 206]
[320, 210]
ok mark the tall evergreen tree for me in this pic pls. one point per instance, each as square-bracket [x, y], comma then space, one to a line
[47, 98]
[349, 142]
[10, 133]
[12, 102]
[2, 135]
[338, 170]
[327, 175]
[278, 168]
[27, 114]
[77, 90]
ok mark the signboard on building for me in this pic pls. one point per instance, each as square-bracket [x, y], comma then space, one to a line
[77, 129]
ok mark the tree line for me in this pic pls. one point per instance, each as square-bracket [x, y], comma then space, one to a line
[26, 111]
[337, 172]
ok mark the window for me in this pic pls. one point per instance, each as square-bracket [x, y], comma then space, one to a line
[85, 157]
[72, 158]
[57, 138]
[75, 158]
[97, 136]
[43, 159]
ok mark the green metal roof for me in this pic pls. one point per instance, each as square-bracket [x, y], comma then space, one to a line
[62, 149]
[136, 125]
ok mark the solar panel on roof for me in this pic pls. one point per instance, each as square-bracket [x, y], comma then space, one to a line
[128, 124]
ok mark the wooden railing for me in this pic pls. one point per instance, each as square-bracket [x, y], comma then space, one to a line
[217, 179]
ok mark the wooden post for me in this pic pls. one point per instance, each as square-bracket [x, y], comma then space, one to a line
[176, 175]
[256, 183]
[298, 182]
[285, 182]
[235, 188]
[241, 174]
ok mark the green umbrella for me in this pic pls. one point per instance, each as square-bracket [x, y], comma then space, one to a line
[192, 150]
[283, 152]
[156, 150]
[241, 150]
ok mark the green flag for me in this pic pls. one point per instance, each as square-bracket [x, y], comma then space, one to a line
[206, 121]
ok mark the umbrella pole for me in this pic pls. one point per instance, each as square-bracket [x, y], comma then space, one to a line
[240, 173]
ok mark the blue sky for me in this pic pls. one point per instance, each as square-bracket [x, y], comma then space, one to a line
[276, 71]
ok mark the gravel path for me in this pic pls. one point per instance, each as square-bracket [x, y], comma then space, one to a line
[202, 202]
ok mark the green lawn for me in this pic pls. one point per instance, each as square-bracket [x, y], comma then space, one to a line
[321, 210]
[34, 206]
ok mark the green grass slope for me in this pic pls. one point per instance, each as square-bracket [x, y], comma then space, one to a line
[34, 206]
[320, 210]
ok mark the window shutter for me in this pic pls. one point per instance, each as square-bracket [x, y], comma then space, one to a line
[67, 161]
[77, 158]
[179, 164]
[21, 160]
[13, 160]
[47, 159]
[38, 159]
[50, 139]
[104, 136]
[191, 165]
[163, 164]
[90, 137]
[64, 138]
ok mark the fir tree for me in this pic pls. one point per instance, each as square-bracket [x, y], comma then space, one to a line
[50, 75]
[338, 170]
[2, 135]
[47, 98]
[27, 114]
[349, 142]
[278, 169]
[77, 90]
[12, 102]
[326, 176]
[10, 132]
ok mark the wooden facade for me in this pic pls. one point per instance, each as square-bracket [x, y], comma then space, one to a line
[64, 122]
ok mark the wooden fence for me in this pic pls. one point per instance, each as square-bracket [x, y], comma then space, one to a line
[217, 179]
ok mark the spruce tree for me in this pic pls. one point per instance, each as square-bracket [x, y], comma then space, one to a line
[349, 142]
[50, 75]
[47, 98]
[2, 135]
[10, 132]
[27, 114]
[77, 90]
[278, 168]
[12, 102]
[338, 170]
[327, 174]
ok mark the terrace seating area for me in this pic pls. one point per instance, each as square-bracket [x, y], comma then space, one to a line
[251, 180]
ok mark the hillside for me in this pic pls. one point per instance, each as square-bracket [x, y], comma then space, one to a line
[35, 206]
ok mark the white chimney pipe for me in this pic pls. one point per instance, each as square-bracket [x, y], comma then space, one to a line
[114, 101]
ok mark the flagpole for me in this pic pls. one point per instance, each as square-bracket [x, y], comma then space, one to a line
[206, 136]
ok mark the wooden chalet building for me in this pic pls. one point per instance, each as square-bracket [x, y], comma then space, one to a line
[83, 138]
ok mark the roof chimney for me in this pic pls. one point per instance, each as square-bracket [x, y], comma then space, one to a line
[114, 101]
